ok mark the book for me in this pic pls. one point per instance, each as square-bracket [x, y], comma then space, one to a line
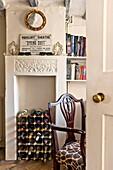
[81, 46]
[72, 45]
[80, 72]
[84, 46]
[77, 71]
[76, 45]
[68, 70]
[84, 73]
[68, 44]
[73, 71]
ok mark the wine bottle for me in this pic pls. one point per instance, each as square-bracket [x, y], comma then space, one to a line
[38, 121]
[23, 135]
[31, 120]
[46, 120]
[46, 127]
[31, 140]
[50, 136]
[49, 156]
[23, 123]
[34, 123]
[19, 158]
[21, 129]
[32, 112]
[34, 158]
[39, 112]
[45, 157]
[30, 150]
[22, 154]
[38, 136]
[46, 148]
[37, 152]
[27, 158]
[46, 113]
[23, 113]
[47, 142]
[36, 129]
[27, 129]
[46, 133]
[21, 148]
[30, 135]
[19, 143]
[38, 148]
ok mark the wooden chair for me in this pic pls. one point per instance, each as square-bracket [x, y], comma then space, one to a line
[72, 154]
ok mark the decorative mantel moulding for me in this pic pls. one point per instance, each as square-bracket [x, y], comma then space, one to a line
[35, 65]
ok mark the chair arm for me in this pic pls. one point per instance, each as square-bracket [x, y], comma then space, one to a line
[81, 132]
[67, 129]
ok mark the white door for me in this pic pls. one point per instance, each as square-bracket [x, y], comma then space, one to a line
[100, 79]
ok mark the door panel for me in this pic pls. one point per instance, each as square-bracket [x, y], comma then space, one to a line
[107, 35]
[99, 79]
[107, 137]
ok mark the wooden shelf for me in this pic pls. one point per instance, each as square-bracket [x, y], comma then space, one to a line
[76, 80]
[77, 57]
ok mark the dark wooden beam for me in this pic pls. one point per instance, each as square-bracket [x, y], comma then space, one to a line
[33, 3]
[67, 5]
[2, 7]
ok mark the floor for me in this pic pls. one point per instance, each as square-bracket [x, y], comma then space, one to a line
[24, 165]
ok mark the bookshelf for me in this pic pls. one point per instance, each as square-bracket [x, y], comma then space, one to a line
[76, 57]
[76, 69]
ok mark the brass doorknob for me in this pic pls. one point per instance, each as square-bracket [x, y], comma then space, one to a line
[99, 97]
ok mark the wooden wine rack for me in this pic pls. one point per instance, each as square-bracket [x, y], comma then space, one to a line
[34, 136]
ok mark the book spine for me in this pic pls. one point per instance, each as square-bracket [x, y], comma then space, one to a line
[84, 73]
[66, 41]
[77, 72]
[72, 45]
[68, 44]
[68, 70]
[73, 71]
[76, 45]
[80, 72]
[81, 46]
[84, 46]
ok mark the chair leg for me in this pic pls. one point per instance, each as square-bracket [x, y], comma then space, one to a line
[56, 165]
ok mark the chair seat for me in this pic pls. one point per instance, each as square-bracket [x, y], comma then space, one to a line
[70, 156]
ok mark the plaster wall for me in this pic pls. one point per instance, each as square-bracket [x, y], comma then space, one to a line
[15, 16]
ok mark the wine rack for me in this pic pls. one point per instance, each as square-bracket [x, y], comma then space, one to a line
[34, 135]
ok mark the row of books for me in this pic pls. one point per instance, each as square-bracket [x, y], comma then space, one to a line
[75, 45]
[76, 71]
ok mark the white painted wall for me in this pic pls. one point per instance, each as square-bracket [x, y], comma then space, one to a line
[55, 16]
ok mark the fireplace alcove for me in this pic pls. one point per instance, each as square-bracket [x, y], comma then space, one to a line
[31, 68]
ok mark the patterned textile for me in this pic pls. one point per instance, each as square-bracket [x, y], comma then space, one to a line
[70, 156]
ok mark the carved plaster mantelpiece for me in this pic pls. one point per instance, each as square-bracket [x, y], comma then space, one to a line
[35, 65]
